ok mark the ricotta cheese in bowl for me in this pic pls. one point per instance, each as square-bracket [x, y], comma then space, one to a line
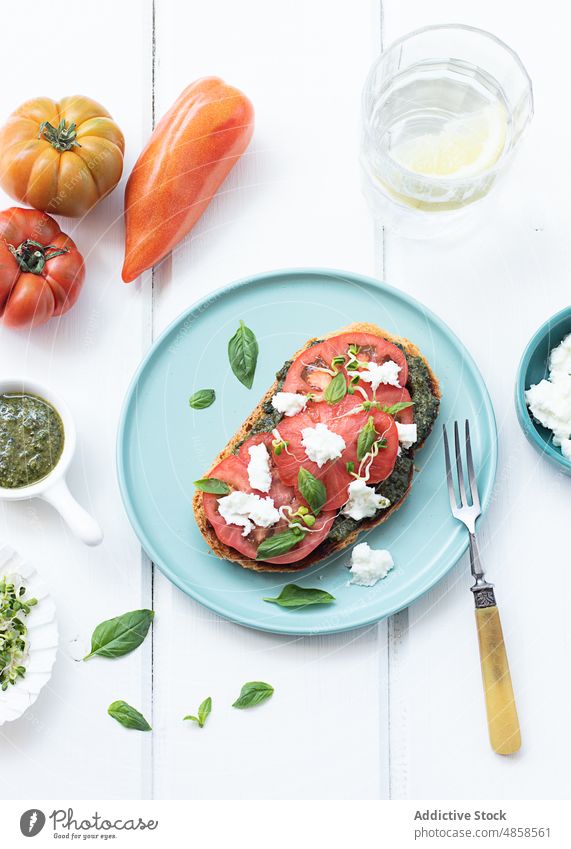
[543, 390]
[549, 401]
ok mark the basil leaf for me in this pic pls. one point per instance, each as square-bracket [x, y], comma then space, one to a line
[393, 409]
[121, 635]
[128, 716]
[203, 712]
[213, 486]
[312, 489]
[367, 436]
[294, 596]
[243, 355]
[336, 389]
[202, 399]
[253, 693]
[278, 544]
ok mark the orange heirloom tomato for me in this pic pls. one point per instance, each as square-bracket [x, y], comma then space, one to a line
[61, 157]
[189, 154]
[41, 270]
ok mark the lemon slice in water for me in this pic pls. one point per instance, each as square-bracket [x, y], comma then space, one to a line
[464, 147]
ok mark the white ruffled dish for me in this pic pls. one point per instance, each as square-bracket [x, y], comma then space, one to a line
[42, 635]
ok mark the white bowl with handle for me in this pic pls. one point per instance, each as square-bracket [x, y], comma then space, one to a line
[53, 488]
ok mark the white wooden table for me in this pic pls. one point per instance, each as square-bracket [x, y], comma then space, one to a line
[395, 710]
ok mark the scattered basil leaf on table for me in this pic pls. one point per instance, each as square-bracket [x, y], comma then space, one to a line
[312, 489]
[336, 389]
[294, 596]
[243, 355]
[367, 436]
[253, 693]
[128, 716]
[393, 409]
[213, 486]
[278, 544]
[203, 712]
[202, 399]
[121, 635]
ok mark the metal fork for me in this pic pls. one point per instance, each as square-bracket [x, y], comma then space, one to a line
[503, 723]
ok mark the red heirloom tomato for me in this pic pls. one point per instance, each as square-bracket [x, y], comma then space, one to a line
[41, 270]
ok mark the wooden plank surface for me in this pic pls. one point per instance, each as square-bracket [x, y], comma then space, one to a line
[394, 710]
[494, 287]
[294, 200]
[66, 745]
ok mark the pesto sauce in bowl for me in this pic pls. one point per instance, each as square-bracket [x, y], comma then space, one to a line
[31, 439]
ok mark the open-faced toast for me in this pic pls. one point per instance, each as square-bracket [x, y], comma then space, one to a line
[423, 388]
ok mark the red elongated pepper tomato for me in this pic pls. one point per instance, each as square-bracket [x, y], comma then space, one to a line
[191, 151]
[41, 270]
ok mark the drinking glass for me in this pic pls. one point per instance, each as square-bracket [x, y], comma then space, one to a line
[444, 109]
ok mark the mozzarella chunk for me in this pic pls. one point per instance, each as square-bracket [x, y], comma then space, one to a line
[566, 449]
[246, 510]
[289, 403]
[407, 434]
[321, 444]
[363, 501]
[259, 474]
[369, 565]
[376, 373]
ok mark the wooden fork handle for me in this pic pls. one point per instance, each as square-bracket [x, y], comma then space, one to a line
[503, 723]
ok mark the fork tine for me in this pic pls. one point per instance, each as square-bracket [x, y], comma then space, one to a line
[471, 473]
[459, 467]
[451, 493]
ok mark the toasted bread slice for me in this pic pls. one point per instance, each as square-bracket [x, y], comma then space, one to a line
[326, 548]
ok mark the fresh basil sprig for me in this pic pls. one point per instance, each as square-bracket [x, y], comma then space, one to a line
[312, 489]
[253, 693]
[213, 486]
[366, 438]
[294, 596]
[203, 712]
[393, 409]
[243, 355]
[128, 716]
[279, 543]
[336, 389]
[202, 399]
[121, 635]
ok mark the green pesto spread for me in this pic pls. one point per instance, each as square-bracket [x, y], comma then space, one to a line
[395, 486]
[31, 439]
[425, 402]
[271, 418]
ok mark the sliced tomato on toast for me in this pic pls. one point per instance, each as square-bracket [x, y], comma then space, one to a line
[339, 476]
[309, 543]
[234, 471]
[388, 396]
[311, 370]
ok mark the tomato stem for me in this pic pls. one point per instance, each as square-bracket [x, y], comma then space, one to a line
[61, 137]
[32, 256]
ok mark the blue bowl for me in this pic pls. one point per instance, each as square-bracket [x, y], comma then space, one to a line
[534, 366]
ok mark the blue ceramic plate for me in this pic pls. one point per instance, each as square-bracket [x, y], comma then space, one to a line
[164, 445]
